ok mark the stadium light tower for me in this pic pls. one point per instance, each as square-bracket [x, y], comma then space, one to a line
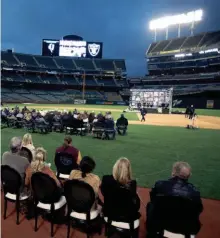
[185, 18]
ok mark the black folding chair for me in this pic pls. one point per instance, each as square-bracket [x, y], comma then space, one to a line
[4, 121]
[76, 128]
[11, 122]
[29, 126]
[12, 184]
[80, 198]
[121, 216]
[19, 123]
[121, 129]
[25, 152]
[109, 134]
[47, 196]
[42, 127]
[65, 163]
[57, 126]
[174, 215]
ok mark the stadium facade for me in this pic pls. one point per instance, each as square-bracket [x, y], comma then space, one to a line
[189, 65]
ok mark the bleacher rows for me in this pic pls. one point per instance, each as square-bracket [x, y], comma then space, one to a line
[184, 89]
[35, 96]
[176, 77]
[200, 41]
[60, 63]
[65, 80]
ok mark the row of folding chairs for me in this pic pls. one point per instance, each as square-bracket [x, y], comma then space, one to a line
[78, 196]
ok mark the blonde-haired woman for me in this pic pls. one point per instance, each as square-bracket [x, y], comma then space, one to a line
[121, 201]
[27, 142]
[39, 165]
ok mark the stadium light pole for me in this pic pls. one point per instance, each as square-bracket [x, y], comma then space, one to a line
[179, 29]
[192, 28]
[84, 84]
[155, 34]
[167, 33]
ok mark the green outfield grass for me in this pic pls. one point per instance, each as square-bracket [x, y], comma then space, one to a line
[152, 150]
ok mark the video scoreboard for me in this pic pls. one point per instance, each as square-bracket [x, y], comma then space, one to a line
[71, 48]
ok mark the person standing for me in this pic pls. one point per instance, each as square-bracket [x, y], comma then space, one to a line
[143, 113]
[191, 112]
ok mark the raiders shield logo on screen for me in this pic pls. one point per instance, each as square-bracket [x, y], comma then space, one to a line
[94, 49]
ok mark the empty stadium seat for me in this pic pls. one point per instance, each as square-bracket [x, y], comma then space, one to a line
[65, 63]
[175, 44]
[86, 64]
[104, 64]
[9, 58]
[26, 59]
[46, 62]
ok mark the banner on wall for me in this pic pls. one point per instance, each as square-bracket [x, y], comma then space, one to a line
[210, 104]
[79, 101]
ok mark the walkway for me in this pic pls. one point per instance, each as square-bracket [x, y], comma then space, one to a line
[210, 219]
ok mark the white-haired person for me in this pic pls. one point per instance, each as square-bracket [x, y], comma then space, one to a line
[121, 202]
[176, 186]
[13, 158]
[27, 142]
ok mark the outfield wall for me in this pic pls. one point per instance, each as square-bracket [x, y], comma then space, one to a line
[205, 100]
[100, 102]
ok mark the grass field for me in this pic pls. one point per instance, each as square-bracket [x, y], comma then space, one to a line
[151, 149]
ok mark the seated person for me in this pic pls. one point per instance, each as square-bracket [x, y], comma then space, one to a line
[39, 165]
[176, 186]
[69, 149]
[122, 124]
[4, 117]
[57, 117]
[13, 159]
[109, 127]
[91, 118]
[19, 115]
[121, 202]
[86, 167]
[28, 143]
[109, 122]
[57, 122]
[40, 119]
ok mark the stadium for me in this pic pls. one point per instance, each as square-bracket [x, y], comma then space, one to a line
[72, 75]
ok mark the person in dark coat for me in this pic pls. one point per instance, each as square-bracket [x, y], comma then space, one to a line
[122, 124]
[143, 113]
[177, 186]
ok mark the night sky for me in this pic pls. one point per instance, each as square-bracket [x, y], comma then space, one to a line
[122, 25]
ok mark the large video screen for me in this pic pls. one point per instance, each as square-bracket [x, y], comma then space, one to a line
[149, 97]
[70, 48]
[50, 47]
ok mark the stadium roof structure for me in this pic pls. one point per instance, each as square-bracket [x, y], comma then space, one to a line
[203, 41]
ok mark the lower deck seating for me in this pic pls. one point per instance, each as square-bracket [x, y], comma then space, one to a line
[35, 96]
[113, 96]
